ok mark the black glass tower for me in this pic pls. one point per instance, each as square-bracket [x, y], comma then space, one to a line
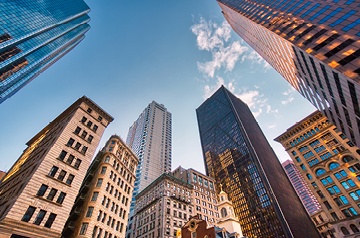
[238, 156]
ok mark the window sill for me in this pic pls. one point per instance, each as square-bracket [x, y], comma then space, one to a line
[57, 180]
[66, 164]
[44, 199]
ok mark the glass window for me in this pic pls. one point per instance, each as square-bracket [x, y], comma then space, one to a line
[333, 165]
[61, 175]
[103, 170]
[77, 163]
[70, 179]
[89, 211]
[28, 214]
[51, 194]
[42, 190]
[99, 182]
[320, 172]
[83, 228]
[50, 220]
[61, 198]
[94, 196]
[40, 217]
[344, 199]
[53, 171]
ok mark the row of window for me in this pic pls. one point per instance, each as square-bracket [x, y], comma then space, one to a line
[51, 195]
[89, 124]
[114, 208]
[83, 134]
[61, 175]
[39, 218]
[77, 146]
[70, 159]
[116, 165]
[304, 136]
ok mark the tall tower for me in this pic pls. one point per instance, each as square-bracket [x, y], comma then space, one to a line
[34, 35]
[38, 192]
[330, 164]
[237, 154]
[306, 196]
[150, 138]
[102, 205]
[314, 45]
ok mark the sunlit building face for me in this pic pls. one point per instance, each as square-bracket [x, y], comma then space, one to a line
[34, 35]
[238, 156]
[314, 45]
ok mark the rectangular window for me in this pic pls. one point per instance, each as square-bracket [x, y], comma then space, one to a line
[77, 146]
[95, 128]
[42, 190]
[77, 130]
[94, 196]
[50, 220]
[51, 194]
[70, 159]
[99, 182]
[70, 142]
[61, 198]
[83, 119]
[70, 179]
[83, 228]
[53, 171]
[83, 135]
[89, 211]
[84, 149]
[90, 138]
[28, 214]
[61, 175]
[40, 217]
[62, 155]
[77, 163]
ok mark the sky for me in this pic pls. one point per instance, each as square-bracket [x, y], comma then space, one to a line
[174, 52]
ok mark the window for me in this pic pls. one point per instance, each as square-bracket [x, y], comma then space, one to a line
[70, 159]
[320, 172]
[28, 214]
[333, 165]
[53, 171]
[347, 159]
[89, 211]
[40, 217]
[61, 175]
[99, 182]
[77, 163]
[89, 110]
[70, 179]
[90, 138]
[62, 155]
[344, 199]
[83, 120]
[77, 130]
[84, 134]
[70, 142]
[84, 149]
[89, 124]
[345, 231]
[52, 194]
[309, 176]
[95, 128]
[50, 220]
[61, 198]
[327, 180]
[107, 159]
[354, 228]
[42, 190]
[94, 196]
[83, 228]
[77, 146]
[341, 174]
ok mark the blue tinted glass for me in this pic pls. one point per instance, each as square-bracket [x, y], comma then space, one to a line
[351, 25]
[333, 13]
[320, 12]
[310, 10]
[340, 20]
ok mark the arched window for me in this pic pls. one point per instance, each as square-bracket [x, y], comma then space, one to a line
[354, 228]
[333, 165]
[309, 176]
[312, 131]
[345, 231]
[317, 129]
[302, 138]
[320, 172]
[223, 212]
[347, 159]
[107, 159]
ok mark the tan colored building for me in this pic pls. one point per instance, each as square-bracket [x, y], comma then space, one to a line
[103, 203]
[204, 196]
[38, 192]
[2, 175]
[330, 164]
[162, 208]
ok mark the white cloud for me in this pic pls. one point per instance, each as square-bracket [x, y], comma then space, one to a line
[254, 57]
[287, 101]
[214, 38]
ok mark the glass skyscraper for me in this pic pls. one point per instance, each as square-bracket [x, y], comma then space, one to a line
[150, 139]
[34, 35]
[314, 45]
[237, 154]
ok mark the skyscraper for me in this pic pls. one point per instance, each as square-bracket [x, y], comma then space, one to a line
[330, 164]
[34, 35]
[38, 192]
[306, 196]
[102, 205]
[314, 45]
[240, 159]
[150, 138]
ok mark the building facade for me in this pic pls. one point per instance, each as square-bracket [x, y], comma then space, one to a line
[330, 164]
[162, 208]
[102, 206]
[314, 45]
[305, 194]
[38, 192]
[237, 154]
[204, 196]
[34, 35]
[150, 138]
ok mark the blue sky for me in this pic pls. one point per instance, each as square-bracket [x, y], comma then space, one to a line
[174, 52]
